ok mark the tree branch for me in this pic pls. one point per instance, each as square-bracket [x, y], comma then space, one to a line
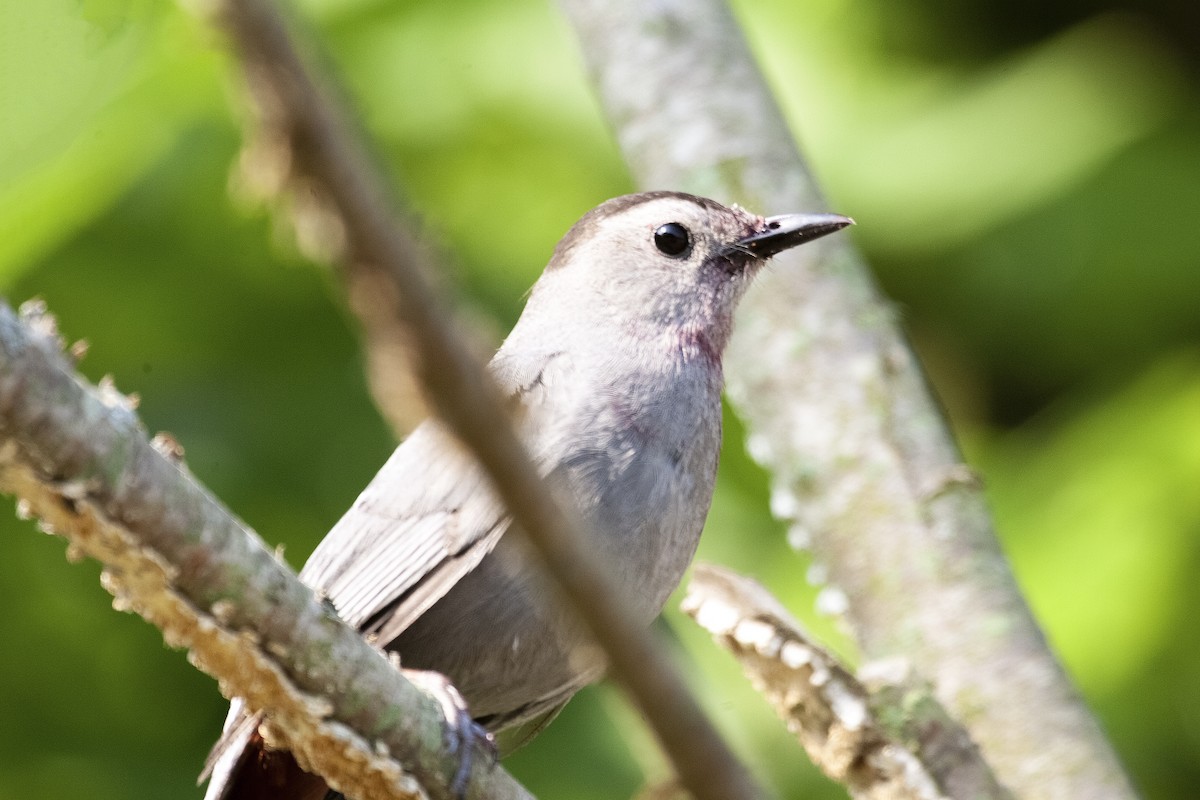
[863, 465]
[327, 161]
[887, 742]
[78, 459]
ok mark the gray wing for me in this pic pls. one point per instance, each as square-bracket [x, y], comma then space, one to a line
[427, 518]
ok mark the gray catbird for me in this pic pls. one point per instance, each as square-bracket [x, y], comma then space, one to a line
[615, 369]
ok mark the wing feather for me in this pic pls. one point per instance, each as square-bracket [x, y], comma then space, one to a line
[427, 518]
[392, 539]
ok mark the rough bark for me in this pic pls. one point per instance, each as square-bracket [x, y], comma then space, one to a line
[78, 459]
[883, 739]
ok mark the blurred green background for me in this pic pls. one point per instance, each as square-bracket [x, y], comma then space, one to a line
[1026, 178]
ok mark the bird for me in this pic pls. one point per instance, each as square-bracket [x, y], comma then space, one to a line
[614, 373]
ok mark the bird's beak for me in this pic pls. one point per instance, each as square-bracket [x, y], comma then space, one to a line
[788, 230]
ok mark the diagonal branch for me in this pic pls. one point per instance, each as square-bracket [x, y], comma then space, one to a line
[864, 467]
[330, 164]
[78, 459]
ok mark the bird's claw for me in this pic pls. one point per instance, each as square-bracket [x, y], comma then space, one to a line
[463, 734]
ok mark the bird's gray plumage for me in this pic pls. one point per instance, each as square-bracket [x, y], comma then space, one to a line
[614, 372]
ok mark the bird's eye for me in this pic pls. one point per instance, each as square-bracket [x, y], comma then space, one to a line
[673, 240]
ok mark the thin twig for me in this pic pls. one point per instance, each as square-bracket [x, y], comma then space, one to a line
[322, 151]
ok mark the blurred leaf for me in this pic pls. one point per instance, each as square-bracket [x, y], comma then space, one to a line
[1094, 283]
[927, 157]
[92, 94]
[1102, 516]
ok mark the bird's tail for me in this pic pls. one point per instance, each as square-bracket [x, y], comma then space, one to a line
[241, 767]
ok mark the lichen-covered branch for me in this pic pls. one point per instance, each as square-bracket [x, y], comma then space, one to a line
[314, 141]
[888, 742]
[77, 458]
[864, 468]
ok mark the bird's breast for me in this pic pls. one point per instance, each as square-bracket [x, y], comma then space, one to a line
[643, 480]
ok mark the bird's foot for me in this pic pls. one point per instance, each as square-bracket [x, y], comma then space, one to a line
[464, 736]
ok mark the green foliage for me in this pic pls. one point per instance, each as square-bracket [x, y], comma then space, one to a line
[1031, 208]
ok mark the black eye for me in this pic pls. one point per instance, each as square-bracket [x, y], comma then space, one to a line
[672, 239]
